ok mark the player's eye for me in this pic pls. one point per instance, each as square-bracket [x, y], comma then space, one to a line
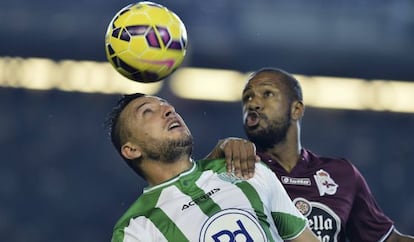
[268, 94]
[246, 98]
[146, 111]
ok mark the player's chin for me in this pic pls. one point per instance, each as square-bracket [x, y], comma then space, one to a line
[255, 133]
[252, 128]
[179, 131]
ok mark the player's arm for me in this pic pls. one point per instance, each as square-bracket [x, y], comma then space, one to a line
[306, 236]
[240, 155]
[396, 236]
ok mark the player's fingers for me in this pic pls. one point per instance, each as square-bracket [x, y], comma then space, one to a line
[227, 155]
[234, 150]
[243, 156]
[248, 158]
[240, 157]
[251, 159]
[231, 150]
[229, 164]
[244, 159]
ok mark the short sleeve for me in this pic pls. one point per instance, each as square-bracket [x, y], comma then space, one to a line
[136, 231]
[367, 222]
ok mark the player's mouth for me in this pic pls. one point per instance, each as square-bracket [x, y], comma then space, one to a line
[252, 119]
[174, 124]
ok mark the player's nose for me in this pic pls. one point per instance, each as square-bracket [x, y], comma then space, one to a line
[254, 105]
[168, 110]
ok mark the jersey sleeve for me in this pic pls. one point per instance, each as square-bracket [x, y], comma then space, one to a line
[133, 232]
[138, 230]
[288, 220]
[367, 222]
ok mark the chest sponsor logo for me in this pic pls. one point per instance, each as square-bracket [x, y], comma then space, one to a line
[295, 181]
[324, 222]
[232, 225]
[200, 199]
[324, 182]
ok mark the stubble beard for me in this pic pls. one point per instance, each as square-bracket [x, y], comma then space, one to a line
[273, 134]
[171, 149]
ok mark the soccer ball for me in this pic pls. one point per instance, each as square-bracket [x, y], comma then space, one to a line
[146, 42]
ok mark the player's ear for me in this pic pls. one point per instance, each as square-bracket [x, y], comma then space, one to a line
[131, 151]
[297, 110]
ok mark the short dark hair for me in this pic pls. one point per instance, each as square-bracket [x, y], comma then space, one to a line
[292, 84]
[117, 135]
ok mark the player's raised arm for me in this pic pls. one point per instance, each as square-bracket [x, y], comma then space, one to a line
[240, 155]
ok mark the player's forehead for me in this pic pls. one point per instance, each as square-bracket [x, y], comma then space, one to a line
[147, 99]
[137, 104]
[264, 79]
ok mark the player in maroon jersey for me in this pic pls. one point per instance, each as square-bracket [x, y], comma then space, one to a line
[330, 192]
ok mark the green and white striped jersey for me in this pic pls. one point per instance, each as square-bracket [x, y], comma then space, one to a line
[205, 203]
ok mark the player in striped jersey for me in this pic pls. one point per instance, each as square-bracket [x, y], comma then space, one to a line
[188, 200]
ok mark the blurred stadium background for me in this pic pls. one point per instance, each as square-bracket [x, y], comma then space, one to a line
[60, 178]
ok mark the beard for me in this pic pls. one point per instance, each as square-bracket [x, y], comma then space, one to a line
[169, 150]
[273, 134]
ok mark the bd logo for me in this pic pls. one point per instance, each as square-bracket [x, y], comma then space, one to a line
[232, 225]
[227, 235]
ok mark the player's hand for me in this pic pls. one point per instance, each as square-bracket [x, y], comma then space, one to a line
[240, 156]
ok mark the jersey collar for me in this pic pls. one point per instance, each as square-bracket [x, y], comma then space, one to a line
[172, 180]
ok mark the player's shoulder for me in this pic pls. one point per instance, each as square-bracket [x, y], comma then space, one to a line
[217, 165]
[329, 161]
[262, 166]
[136, 209]
[263, 171]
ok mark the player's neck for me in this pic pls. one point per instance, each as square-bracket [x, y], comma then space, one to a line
[286, 153]
[159, 172]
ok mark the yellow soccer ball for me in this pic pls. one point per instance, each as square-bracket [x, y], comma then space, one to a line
[146, 42]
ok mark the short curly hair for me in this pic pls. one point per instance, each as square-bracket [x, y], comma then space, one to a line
[292, 84]
[117, 132]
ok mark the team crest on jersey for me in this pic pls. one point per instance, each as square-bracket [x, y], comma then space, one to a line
[324, 222]
[232, 225]
[230, 177]
[324, 182]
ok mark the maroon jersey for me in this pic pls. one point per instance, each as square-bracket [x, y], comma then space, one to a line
[335, 198]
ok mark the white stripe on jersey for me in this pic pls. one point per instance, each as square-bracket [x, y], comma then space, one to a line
[173, 210]
[140, 226]
[209, 181]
